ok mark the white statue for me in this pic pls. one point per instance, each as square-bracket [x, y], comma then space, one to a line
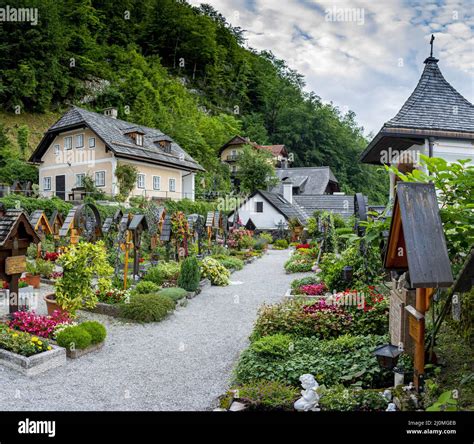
[309, 400]
[387, 394]
[391, 407]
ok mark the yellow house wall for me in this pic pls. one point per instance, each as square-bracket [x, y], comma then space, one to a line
[89, 161]
[164, 173]
[76, 161]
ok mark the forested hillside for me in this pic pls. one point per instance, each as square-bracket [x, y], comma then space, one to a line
[181, 69]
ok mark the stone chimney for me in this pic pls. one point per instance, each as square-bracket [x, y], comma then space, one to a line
[111, 112]
[288, 190]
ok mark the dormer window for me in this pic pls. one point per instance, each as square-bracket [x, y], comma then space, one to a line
[136, 136]
[165, 145]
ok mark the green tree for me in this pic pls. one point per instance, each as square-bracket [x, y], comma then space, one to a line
[255, 170]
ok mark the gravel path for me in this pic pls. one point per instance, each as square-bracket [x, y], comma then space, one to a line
[182, 363]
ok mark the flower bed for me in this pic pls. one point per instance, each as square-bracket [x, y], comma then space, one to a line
[345, 360]
[28, 354]
[38, 325]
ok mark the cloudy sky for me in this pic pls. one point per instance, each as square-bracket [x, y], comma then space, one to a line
[366, 56]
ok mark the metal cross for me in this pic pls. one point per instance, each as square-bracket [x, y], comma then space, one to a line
[431, 43]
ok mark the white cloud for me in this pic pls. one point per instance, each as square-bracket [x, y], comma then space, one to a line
[354, 65]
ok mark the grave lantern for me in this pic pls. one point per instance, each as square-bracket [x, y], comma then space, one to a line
[347, 273]
[387, 356]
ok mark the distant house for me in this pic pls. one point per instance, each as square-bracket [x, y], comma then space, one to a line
[435, 121]
[83, 143]
[230, 151]
[308, 180]
[298, 195]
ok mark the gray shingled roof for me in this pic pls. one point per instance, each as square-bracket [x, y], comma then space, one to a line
[313, 180]
[343, 205]
[113, 133]
[286, 208]
[9, 221]
[434, 108]
[434, 104]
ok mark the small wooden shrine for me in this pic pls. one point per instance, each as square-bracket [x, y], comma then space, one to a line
[56, 221]
[40, 223]
[16, 235]
[417, 252]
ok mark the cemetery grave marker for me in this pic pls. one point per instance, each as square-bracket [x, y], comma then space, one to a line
[417, 245]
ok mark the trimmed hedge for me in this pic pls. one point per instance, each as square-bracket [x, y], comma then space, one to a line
[147, 307]
[174, 293]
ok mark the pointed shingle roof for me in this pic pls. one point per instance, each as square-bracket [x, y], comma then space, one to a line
[433, 109]
[435, 104]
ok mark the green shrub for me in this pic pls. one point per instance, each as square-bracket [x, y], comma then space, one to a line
[259, 245]
[298, 264]
[345, 360]
[342, 237]
[96, 330]
[146, 287]
[276, 346]
[190, 274]
[164, 271]
[266, 238]
[215, 272]
[268, 395]
[342, 399]
[74, 337]
[231, 263]
[174, 293]
[147, 307]
[280, 244]
[40, 267]
[219, 250]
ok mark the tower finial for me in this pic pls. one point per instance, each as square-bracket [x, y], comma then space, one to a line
[431, 43]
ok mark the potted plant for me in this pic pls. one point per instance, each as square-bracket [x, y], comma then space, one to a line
[37, 269]
[82, 263]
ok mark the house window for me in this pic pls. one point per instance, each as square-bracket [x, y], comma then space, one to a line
[56, 149]
[80, 141]
[47, 183]
[100, 179]
[172, 185]
[68, 143]
[139, 139]
[156, 182]
[259, 207]
[141, 181]
[80, 179]
[91, 142]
